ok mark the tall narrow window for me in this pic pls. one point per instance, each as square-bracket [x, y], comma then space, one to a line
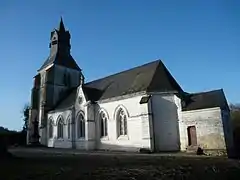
[80, 126]
[60, 128]
[69, 128]
[50, 129]
[103, 123]
[122, 122]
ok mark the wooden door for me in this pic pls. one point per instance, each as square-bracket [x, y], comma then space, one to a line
[192, 136]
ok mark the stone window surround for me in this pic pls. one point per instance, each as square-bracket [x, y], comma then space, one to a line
[69, 128]
[80, 114]
[121, 108]
[60, 120]
[106, 116]
[50, 125]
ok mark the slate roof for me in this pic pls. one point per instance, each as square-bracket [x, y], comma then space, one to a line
[62, 58]
[67, 100]
[202, 100]
[65, 60]
[150, 77]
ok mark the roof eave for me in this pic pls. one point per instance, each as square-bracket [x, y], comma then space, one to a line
[162, 92]
[45, 67]
[60, 109]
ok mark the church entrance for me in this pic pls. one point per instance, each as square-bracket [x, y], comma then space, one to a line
[192, 136]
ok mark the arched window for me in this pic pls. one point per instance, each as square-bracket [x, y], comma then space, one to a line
[80, 126]
[60, 128]
[122, 122]
[103, 124]
[50, 129]
[69, 128]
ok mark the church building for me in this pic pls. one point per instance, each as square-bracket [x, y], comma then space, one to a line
[140, 108]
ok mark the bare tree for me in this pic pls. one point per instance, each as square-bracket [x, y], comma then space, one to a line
[25, 113]
[235, 117]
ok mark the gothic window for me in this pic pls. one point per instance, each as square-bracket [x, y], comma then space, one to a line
[122, 122]
[60, 129]
[50, 129]
[69, 128]
[80, 126]
[103, 124]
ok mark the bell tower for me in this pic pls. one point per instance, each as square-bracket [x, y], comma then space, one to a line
[56, 77]
[60, 40]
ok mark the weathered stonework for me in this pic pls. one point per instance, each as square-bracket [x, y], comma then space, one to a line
[209, 128]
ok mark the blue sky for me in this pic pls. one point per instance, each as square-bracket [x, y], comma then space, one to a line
[198, 41]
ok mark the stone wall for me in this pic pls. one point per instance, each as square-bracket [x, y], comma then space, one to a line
[55, 141]
[138, 128]
[209, 128]
[165, 116]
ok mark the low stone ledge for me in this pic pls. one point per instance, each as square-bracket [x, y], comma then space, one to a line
[145, 151]
[215, 152]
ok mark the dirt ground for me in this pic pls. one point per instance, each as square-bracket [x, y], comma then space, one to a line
[52, 164]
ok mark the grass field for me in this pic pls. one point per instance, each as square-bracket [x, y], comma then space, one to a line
[40, 165]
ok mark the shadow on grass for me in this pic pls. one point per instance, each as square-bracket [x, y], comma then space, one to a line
[88, 166]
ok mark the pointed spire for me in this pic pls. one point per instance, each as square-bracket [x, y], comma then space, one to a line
[61, 25]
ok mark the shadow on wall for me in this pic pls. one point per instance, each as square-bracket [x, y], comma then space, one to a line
[229, 138]
[166, 130]
[107, 148]
[63, 143]
[107, 145]
[230, 153]
[127, 148]
[166, 126]
[93, 114]
[103, 146]
[96, 108]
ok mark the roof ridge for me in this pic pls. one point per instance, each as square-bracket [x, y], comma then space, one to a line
[154, 74]
[169, 77]
[207, 99]
[124, 71]
[203, 92]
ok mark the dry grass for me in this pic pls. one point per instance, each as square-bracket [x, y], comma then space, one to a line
[40, 166]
